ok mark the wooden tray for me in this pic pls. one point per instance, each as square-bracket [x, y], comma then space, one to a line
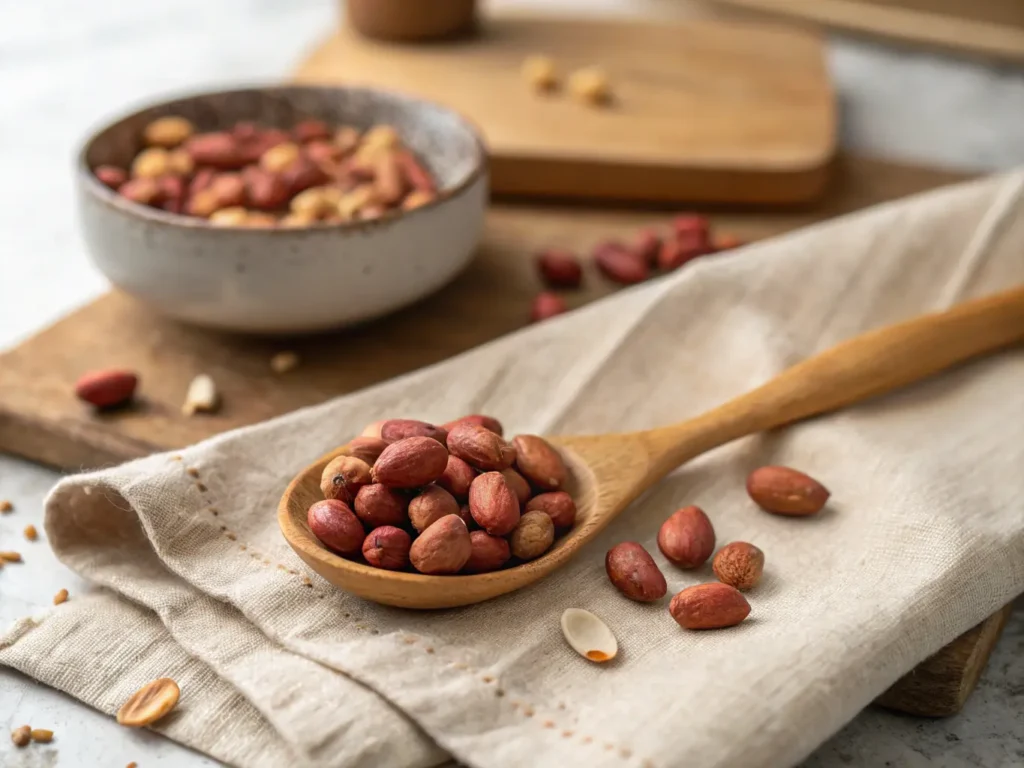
[41, 420]
[704, 110]
[986, 28]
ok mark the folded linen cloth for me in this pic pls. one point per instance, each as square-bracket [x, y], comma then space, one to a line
[923, 538]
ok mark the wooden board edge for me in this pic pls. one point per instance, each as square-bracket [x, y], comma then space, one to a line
[930, 30]
[940, 685]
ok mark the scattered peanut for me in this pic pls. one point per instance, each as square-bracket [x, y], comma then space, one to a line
[150, 703]
[540, 72]
[21, 736]
[6, 506]
[202, 396]
[10, 557]
[60, 597]
[590, 86]
[41, 735]
[739, 564]
[31, 533]
[786, 491]
[283, 362]
[151, 163]
[107, 388]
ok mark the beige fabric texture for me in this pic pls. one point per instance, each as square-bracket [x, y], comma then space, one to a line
[923, 537]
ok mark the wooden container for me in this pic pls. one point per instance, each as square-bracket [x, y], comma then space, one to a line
[412, 20]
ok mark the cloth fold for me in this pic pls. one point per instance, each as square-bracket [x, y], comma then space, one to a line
[922, 539]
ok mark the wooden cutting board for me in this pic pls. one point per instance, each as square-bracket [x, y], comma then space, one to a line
[703, 110]
[41, 420]
[985, 28]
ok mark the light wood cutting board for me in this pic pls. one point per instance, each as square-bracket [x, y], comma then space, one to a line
[703, 110]
[41, 420]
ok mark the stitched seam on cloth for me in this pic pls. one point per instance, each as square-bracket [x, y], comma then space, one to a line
[518, 705]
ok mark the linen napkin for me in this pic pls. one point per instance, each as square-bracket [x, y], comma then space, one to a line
[923, 537]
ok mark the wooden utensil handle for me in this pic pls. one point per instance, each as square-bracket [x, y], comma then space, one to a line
[867, 365]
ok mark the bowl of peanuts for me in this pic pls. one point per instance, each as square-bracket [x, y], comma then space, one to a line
[283, 210]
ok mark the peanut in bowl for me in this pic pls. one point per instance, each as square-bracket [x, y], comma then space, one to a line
[244, 241]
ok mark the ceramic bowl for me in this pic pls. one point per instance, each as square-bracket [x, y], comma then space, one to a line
[283, 281]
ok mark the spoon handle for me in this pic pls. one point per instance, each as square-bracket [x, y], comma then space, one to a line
[867, 365]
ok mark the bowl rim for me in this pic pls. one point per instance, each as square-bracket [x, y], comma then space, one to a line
[93, 186]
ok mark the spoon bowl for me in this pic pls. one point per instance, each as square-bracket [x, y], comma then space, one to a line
[608, 472]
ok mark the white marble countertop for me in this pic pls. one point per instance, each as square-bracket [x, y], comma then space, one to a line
[66, 65]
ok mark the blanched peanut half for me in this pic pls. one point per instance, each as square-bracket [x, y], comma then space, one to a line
[590, 86]
[167, 131]
[540, 72]
[149, 703]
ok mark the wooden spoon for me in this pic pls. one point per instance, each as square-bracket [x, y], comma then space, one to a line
[610, 471]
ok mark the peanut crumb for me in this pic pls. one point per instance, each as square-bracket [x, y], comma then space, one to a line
[10, 557]
[283, 362]
[60, 597]
[549, 724]
[41, 735]
[31, 533]
[6, 506]
[132, 764]
[232, 536]
[192, 472]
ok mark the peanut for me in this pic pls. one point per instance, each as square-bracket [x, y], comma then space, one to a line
[393, 430]
[311, 130]
[547, 305]
[634, 573]
[143, 191]
[533, 536]
[21, 736]
[343, 477]
[620, 265]
[687, 538]
[590, 86]
[337, 526]
[387, 547]
[539, 463]
[410, 463]
[786, 491]
[111, 175]
[167, 131]
[487, 422]
[559, 268]
[493, 505]
[518, 484]
[480, 447]
[218, 149]
[433, 503]
[487, 553]
[709, 606]
[235, 216]
[443, 548]
[457, 477]
[378, 505]
[739, 564]
[279, 157]
[266, 191]
[368, 449]
[540, 72]
[151, 163]
[557, 505]
[150, 703]
[107, 388]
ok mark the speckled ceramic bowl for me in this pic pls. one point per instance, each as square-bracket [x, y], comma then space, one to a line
[288, 280]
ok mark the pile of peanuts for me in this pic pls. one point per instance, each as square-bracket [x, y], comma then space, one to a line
[689, 237]
[687, 540]
[254, 176]
[457, 498]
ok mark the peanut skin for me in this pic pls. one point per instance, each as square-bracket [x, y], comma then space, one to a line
[387, 547]
[687, 538]
[518, 484]
[739, 564]
[493, 504]
[443, 548]
[488, 553]
[786, 491]
[634, 573]
[336, 526]
[487, 422]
